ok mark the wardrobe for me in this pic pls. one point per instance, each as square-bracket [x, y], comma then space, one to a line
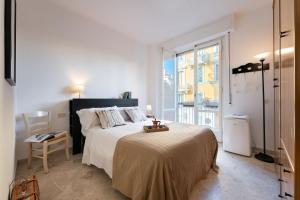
[285, 81]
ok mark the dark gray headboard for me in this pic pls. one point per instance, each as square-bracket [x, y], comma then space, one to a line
[78, 104]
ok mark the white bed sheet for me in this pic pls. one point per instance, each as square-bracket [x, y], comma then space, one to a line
[100, 143]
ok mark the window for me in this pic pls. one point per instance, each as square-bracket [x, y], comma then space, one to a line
[216, 71]
[200, 74]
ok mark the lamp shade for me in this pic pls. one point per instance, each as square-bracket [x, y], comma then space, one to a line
[149, 109]
[262, 56]
[78, 89]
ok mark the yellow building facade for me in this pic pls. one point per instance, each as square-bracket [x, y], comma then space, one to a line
[207, 75]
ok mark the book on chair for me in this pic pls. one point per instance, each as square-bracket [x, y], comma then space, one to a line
[44, 136]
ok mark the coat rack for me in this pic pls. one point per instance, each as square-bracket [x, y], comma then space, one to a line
[253, 67]
[250, 67]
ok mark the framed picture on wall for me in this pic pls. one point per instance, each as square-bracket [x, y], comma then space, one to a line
[10, 41]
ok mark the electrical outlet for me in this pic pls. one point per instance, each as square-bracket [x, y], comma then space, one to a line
[61, 115]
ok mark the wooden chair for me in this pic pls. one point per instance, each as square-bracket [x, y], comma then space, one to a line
[37, 123]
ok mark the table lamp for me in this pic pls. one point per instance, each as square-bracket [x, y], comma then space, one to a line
[149, 111]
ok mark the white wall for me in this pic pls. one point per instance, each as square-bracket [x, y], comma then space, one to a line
[201, 34]
[252, 35]
[155, 78]
[57, 49]
[7, 122]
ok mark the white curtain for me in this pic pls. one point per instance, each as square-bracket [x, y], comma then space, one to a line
[169, 85]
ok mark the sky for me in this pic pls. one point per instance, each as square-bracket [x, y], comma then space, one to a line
[169, 66]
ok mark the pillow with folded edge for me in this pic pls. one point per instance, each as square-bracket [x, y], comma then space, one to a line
[88, 117]
[135, 114]
[110, 118]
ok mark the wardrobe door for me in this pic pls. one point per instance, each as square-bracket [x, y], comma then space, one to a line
[276, 59]
[287, 78]
[287, 95]
[276, 76]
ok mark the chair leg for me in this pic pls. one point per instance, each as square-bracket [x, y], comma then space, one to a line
[67, 147]
[45, 156]
[29, 155]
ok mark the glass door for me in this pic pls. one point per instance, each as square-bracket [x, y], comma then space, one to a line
[207, 86]
[185, 87]
[198, 96]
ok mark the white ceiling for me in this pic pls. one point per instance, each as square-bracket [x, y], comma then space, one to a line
[154, 21]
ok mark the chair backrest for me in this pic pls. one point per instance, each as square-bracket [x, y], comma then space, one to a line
[37, 122]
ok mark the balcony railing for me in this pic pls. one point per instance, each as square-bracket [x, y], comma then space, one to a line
[186, 114]
[206, 116]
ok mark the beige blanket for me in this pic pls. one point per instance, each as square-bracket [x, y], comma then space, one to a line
[163, 165]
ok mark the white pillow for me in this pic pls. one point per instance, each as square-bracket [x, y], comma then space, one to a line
[135, 114]
[88, 117]
[110, 118]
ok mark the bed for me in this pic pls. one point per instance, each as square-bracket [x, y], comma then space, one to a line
[162, 165]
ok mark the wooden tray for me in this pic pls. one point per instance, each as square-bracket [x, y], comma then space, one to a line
[149, 129]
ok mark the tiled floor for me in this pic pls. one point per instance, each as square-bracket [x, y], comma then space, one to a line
[239, 178]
